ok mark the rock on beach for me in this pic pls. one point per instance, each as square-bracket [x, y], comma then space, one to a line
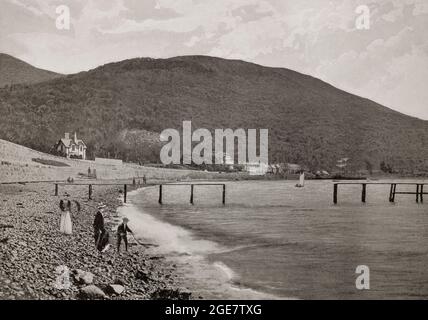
[92, 292]
[115, 289]
[83, 277]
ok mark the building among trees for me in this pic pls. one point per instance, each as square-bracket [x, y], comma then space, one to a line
[71, 148]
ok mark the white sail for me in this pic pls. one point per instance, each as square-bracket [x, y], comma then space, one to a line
[302, 179]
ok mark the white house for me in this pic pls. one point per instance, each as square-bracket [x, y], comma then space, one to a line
[256, 168]
[71, 148]
[292, 168]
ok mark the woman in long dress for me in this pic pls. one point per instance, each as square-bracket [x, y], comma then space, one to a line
[65, 224]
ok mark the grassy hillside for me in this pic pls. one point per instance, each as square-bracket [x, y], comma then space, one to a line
[309, 121]
[18, 163]
[14, 71]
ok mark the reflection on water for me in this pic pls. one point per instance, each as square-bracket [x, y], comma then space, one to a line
[290, 242]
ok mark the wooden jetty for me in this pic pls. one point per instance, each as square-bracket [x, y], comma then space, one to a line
[125, 188]
[192, 187]
[91, 186]
[419, 191]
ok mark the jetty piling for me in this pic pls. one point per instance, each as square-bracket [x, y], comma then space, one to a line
[392, 190]
[191, 194]
[335, 193]
[90, 192]
[56, 189]
[363, 192]
[125, 192]
[160, 194]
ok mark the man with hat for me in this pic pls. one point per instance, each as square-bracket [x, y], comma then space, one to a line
[122, 230]
[98, 224]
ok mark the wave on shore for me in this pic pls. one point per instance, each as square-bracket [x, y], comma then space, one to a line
[210, 280]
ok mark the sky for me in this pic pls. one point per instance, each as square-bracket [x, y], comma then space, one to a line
[387, 61]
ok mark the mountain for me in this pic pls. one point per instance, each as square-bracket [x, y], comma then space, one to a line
[15, 71]
[310, 122]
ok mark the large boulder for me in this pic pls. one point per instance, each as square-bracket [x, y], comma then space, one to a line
[115, 289]
[92, 292]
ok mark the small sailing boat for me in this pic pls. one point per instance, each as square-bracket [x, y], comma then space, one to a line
[301, 183]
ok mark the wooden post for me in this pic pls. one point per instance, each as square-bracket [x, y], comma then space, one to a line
[160, 194]
[393, 192]
[335, 193]
[417, 193]
[224, 194]
[422, 193]
[56, 189]
[363, 192]
[390, 192]
[125, 192]
[90, 192]
[191, 193]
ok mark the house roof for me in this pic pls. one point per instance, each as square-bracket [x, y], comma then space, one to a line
[69, 142]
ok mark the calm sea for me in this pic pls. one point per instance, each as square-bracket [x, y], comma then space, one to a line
[273, 240]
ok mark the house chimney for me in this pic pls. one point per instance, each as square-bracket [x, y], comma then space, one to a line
[67, 135]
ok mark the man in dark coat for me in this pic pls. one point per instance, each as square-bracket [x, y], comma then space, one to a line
[98, 226]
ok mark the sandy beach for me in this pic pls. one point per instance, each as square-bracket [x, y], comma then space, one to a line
[38, 262]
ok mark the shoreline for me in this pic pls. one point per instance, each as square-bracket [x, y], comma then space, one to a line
[296, 213]
[32, 249]
[205, 278]
[36, 257]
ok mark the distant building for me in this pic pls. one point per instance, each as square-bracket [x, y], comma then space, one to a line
[274, 168]
[71, 148]
[256, 168]
[292, 168]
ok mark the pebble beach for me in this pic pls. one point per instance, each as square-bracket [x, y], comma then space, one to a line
[39, 262]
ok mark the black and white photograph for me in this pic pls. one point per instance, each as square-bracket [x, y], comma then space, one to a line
[201, 150]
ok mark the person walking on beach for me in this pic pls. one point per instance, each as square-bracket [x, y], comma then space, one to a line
[104, 240]
[65, 223]
[122, 231]
[98, 225]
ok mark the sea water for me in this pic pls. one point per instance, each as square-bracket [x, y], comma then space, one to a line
[273, 240]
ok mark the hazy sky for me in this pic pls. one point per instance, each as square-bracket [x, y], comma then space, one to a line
[387, 63]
